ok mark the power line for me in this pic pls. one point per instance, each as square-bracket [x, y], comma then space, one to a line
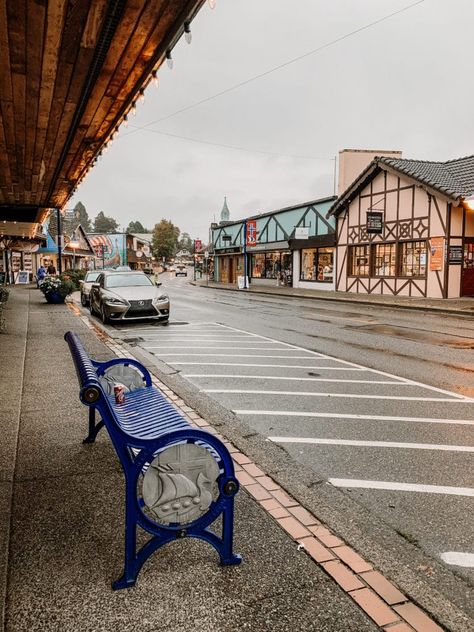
[279, 67]
[234, 147]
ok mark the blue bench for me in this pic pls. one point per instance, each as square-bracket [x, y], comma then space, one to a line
[178, 479]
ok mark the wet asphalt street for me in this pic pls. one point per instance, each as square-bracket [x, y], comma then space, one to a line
[375, 400]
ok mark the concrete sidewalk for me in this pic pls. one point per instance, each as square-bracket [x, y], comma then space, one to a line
[461, 306]
[61, 528]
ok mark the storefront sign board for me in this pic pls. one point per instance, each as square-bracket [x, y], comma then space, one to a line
[455, 254]
[437, 253]
[197, 245]
[302, 232]
[251, 232]
[374, 222]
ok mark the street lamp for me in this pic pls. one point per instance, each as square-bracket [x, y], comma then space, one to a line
[73, 245]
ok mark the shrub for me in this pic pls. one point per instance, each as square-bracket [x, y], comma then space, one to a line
[63, 285]
[4, 294]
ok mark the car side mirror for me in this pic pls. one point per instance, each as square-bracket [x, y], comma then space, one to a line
[95, 284]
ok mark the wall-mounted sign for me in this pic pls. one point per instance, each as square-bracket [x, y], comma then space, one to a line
[226, 238]
[374, 222]
[197, 245]
[302, 232]
[252, 232]
[437, 253]
[455, 254]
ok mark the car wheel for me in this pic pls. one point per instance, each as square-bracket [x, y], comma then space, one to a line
[91, 308]
[165, 322]
[103, 315]
[83, 300]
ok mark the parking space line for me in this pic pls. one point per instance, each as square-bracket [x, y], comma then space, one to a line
[242, 391]
[207, 347]
[375, 444]
[423, 420]
[268, 366]
[235, 355]
[297, 379]
[458, 558]
[402, 487]
[323, 355]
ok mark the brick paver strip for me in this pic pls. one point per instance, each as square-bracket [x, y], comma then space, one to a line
[383, 587]
[317, 551]
[417, 618]
[326, 537]
[293, 527]
[352, 559]
[303, 515]
[258, 492]
[279, 512]
[374, 606]
[252, 469]
[346, 579]
[283, 498]
[399, 627]
[305, 528]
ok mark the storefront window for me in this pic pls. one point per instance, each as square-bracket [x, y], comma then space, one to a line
[258, 266]
[317, 264]
[359, 260]
[384, 260]
[272, 265]
[413, 259]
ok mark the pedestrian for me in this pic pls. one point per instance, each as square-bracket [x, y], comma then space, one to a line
[51, 269]
[41, 273]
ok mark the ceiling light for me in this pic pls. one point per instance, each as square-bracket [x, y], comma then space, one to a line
[155, 79]
[169, 59]
[188, 36]
[133, 109]
[141, 95]
[212, 3]
[125, 120]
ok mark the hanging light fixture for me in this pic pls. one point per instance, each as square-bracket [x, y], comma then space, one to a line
[212, 3]
[188, 36]
[133, 109]
[169, 59]
[155, 79]
[141, 95]
[125, 120]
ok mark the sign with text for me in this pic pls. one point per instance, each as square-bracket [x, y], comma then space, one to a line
[374, 222]
[252, 232]
[197, 245]
[302, 232]
[455, 254]
[437, 253]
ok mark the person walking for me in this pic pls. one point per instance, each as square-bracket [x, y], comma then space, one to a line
[51, 269]
[40, 274]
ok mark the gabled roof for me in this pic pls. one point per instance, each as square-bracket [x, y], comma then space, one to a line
[453, 178]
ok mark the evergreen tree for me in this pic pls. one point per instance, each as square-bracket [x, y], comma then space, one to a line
[104, 224]
[82, 215]
[137, 227]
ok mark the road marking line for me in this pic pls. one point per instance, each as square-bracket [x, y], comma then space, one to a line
[273, 366]
[375, 444]
[243, 391]
[322, 355]
[236, 355]
[423, 420]
[402, 487]
[210, 347]
[458, 558]
[298, 379]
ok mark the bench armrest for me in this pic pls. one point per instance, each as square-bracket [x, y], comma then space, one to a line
[101, 367]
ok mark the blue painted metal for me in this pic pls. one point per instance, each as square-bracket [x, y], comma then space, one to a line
[142, 426]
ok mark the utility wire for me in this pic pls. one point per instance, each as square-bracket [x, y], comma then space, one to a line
[279, 67]
[234, 147]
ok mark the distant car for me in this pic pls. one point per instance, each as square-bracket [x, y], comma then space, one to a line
[181, 270]
[86, 283]
[128, 296]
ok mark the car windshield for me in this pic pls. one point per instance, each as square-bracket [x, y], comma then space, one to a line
[91, 277]
[127, 280]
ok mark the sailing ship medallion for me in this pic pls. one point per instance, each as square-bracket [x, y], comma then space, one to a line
[179, 484]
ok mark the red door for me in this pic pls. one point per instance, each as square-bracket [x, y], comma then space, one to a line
[467, 274]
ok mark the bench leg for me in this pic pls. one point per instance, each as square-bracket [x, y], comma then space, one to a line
[130, 572]
[228, 558]
[93, 427]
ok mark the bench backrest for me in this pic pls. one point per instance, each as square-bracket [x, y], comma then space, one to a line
[91, 389]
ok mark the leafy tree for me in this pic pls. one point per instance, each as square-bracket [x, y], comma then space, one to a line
[185, 242]
[104, 224]
[82, 215]
[137, 227]
[164, 242]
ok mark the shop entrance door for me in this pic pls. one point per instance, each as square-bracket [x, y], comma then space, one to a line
[467, 274]
[230, 277]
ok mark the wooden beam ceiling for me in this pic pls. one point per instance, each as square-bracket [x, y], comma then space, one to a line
[69, 71]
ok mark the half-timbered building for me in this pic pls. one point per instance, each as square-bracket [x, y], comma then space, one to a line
[406, 227]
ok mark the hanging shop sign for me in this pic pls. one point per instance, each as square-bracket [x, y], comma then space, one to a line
[252, 232]
[437, 253]
[302, 232]
[374, 222]
[197, 245]
[455, 254]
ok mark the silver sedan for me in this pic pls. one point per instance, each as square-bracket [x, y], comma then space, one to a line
[128, 296]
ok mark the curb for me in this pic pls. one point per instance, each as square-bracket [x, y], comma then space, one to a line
[420, 308]
[378, 597]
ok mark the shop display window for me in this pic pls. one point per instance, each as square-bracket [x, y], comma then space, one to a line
[317, 264]
[384, 260]
[258, 266]
[413, 257]
[359, 260]
[272, 265]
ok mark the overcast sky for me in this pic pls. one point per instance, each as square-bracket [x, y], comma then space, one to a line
[404, 84]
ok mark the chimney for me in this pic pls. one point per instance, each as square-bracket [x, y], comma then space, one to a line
[353, 161]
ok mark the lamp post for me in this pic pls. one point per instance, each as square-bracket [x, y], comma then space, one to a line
[73, 244]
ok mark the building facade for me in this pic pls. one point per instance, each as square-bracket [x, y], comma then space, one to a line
[406, 227]
[293, 246]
